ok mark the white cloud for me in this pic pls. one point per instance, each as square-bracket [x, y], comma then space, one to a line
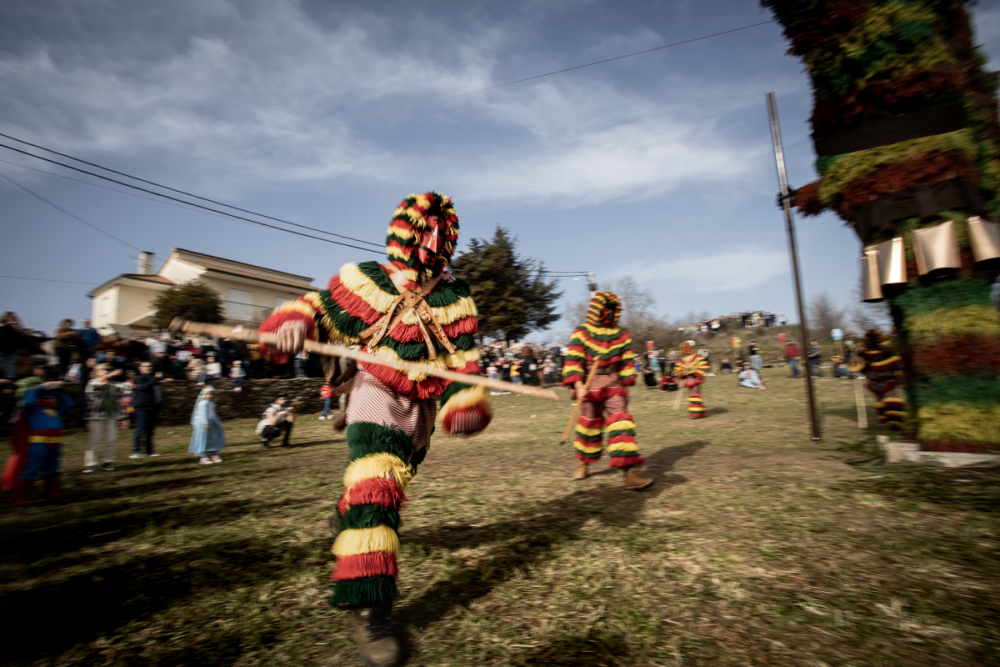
[738, 268]
[275, 71]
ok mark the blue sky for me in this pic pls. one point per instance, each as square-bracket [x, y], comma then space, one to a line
[657, 166]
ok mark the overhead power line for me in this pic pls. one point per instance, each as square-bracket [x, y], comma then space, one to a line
[187, 204]
[186, 194]
[59, 208]
[103, 187]
[50, 280]
[160, 194]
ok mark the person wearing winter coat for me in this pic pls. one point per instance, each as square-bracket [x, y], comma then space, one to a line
[103, 407]
[207, 439]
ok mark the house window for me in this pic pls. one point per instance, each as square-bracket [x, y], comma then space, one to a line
[106, 306]
[238, 306]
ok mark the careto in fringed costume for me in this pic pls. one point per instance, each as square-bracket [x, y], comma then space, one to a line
[691, 369]
[602, 341]
[391, 413]
[882, 369]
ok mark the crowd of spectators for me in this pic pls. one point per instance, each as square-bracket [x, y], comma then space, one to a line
[71, 353]
[734, 322]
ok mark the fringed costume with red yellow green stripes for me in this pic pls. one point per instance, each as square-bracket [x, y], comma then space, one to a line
[600, 340]
[690, 371]
[391, 413]
[882, 369]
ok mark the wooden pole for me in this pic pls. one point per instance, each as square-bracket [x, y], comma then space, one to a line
[579, 402]
[779, 160]
[329, 350]
[859, 399]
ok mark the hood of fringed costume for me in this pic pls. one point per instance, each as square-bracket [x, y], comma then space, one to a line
[600, 338]
[905, 126]
[422, 237]
[421, 241]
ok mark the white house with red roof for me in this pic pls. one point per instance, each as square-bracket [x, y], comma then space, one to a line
[249, 293]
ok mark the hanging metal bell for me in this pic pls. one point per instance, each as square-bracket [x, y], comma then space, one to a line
[892, 262]
[984, 237]
[936, 248]
[871, 286]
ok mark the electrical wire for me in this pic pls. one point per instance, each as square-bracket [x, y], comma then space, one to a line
[563, 274]
[104, 187]
[554, 274]
[59, 208]
[50, 280]
[187, 194]
[160, 194]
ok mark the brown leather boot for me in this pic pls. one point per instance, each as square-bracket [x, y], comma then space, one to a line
[373, 635]
[581, 471]
[634, 482]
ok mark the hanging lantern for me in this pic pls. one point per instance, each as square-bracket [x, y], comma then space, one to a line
[936, 248]
[892, 262]
[984, 237]
[871, 286]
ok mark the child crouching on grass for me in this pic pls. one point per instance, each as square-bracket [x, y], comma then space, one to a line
[207, 440]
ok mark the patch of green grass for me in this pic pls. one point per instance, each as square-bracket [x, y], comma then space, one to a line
[755, 546]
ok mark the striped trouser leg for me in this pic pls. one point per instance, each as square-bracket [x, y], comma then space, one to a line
[696, 404]
[588, 431]
[622, 448]
[382, 429]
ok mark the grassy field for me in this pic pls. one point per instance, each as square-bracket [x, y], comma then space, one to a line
[755, 546]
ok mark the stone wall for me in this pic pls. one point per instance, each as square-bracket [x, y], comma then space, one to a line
[179, 398]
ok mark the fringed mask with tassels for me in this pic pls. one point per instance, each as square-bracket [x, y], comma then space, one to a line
[422, 237]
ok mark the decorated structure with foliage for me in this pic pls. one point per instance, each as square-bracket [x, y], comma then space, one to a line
[908, 152]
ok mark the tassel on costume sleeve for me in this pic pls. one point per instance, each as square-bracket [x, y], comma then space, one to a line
[626, 372]
[574, 366]
[465, 409]
[307, 310]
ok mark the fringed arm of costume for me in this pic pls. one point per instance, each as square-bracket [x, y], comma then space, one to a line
[575, 364]
[335, 314]
[626, 371]
[465, 409]
[307, 312]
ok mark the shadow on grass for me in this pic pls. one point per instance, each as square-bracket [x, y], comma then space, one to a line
[52, 617]
[198, 476]
[596, 648]
[66, 540]
[532, 538]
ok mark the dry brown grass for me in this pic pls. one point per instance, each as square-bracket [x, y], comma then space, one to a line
[754, 547]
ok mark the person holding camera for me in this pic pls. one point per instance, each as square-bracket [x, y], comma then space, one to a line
[278, 419]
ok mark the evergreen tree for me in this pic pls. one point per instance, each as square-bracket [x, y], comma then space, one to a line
[192, 300]
[511, 293]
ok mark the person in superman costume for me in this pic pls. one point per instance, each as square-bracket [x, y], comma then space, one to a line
[409, 309]
[37, 444]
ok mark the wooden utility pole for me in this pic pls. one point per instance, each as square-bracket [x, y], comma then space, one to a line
[779, 159]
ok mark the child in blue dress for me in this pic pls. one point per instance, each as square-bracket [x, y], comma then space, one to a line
[207, 440]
